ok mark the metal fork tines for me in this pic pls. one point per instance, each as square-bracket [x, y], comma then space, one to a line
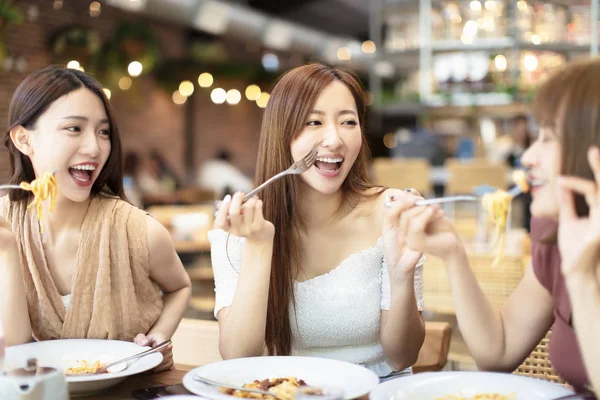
[234, 387]
[297, 168]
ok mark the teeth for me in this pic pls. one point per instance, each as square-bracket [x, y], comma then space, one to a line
[330, 160]
[84, 167]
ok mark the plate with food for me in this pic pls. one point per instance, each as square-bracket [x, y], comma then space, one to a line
[288, 378]
[468, 386]
[80, 358]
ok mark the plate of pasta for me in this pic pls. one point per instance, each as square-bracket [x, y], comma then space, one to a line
[468, 386]
[79, 357]
[285, 377]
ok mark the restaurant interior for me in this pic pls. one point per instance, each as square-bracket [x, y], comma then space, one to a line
[449, 90]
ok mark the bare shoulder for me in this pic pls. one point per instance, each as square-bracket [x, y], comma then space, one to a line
[158, 236]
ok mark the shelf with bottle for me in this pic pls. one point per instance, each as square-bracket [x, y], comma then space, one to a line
[473, 25]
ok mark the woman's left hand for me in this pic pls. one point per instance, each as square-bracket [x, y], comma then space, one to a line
[400, 260]
[153, 340]
[579, 237]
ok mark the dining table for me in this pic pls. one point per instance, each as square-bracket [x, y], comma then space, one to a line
[124, 390]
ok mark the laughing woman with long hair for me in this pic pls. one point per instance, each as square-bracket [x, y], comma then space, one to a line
[314, 267]
[102, 268]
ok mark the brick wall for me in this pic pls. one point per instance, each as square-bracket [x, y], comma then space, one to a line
[153, 122]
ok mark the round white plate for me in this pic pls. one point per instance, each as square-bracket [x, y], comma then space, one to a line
[432, 385]
[353, 380]
[61, 353]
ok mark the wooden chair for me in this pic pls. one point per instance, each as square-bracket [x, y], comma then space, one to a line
[538, 364]
[400, 173]
[434, 353]
[496, 282]
[464, 176]
[196, 342]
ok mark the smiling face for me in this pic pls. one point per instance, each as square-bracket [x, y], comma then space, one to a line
[72, 137]
[334, 122]
[543, 161]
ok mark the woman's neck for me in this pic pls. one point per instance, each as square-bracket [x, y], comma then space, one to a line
[318, 209]
[67, 215]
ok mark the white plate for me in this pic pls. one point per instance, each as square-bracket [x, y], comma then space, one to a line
[353, 380]
[432, 385]
[59, 353]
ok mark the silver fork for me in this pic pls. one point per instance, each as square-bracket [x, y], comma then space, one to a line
[216, 384]
[297, 168]
[9, 186]
[451, 199]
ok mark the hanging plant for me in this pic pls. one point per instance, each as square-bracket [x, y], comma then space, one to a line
[131, 41]
[74, 42]
[8, 14]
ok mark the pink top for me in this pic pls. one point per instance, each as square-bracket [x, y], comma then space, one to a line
[564, 350]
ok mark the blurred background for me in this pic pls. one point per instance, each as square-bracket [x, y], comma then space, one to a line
[449, 87]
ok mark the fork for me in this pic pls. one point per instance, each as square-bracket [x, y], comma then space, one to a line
[10, 186]
[297, 168]
[126, 359]
[451, 199]
[234, 387]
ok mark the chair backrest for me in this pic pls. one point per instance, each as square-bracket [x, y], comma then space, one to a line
[464, 176]
[434, 353]
[497, 282]
[196, 342]
[538, 365]
[401, 173]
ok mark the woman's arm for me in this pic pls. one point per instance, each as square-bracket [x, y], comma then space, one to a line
[579, 245]
[242, 325]
[170, 275]
[402, 328]
[13, 302]
[497, 339]
[584, 292]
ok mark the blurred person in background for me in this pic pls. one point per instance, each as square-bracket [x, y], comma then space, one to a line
[222, 177]
[521, 140]
[157, 181]
[131, 166]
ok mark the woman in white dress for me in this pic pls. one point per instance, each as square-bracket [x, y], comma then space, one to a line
[315, 267]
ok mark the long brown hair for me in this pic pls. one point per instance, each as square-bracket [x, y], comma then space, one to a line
[569, 103]
[31, 99]
[292, 99]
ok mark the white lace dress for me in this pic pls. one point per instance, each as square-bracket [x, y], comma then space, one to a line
[337, 314]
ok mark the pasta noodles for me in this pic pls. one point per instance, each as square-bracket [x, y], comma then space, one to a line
[84, 367]
[42, 188]
[519, 177]
[497, 205]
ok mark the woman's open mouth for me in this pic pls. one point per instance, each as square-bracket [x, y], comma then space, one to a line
[329, 165]
[83, 174]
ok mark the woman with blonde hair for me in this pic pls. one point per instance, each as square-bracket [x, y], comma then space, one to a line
[314, 267]
[562, 289]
